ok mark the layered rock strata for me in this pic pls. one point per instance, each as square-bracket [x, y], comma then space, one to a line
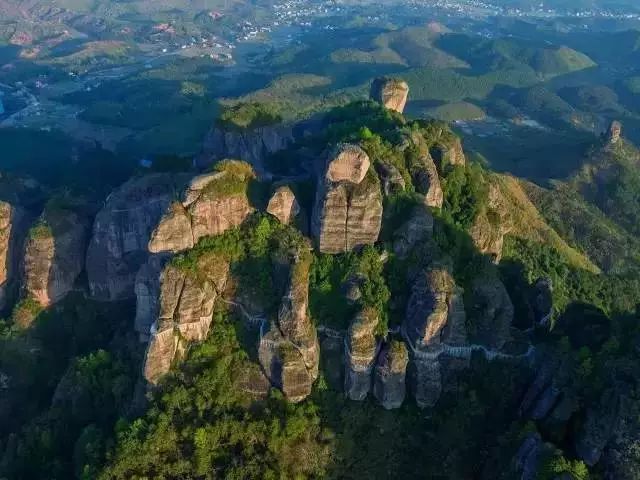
[289, 351]
[54, 256]
[361, 348]
[348, 206]
[185, 309]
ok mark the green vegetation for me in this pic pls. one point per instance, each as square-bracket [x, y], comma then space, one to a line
[465, 194]
[40, 231]
[450, 112]
[559, 465]
[248, 116]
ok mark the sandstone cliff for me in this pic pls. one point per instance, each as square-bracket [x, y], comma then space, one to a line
[251, 145]
[12, 233]
[186, 299]
[289, 351]
[361, 350]
[54, 255]
[162, 213]
[348, 206]
[492, 312]
[121, 233]
[390, 92]
[435, 313]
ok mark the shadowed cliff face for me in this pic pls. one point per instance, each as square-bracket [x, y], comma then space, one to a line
[54, 256]
[12, 232]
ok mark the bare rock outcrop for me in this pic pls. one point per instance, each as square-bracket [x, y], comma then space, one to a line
[289, 351]
[418, 228]
[542, 301]
[283, 205]
[360, 354]
[12, 233]
[614, 133]
[392, 93]
[348, 206]
[185, 310]
[54, 255]
[435, 312]
[159, 214]
[427, 182]
[251, 145]
[147, 290]
[491, 225]
[449, 151]
[389, 386]
[121, 233]
[492, 312]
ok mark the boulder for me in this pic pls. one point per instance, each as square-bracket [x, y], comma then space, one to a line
[283, 205]
[13, 228]
[348, 206]
[528, 456]
[122, 231]
[390, 92]
[185, 310]
[54, 255]
[360, 354]
[173, 233]
[289, 351]
[389, 382]
[348, 163]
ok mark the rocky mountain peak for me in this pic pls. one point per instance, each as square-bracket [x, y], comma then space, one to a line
[392, 93]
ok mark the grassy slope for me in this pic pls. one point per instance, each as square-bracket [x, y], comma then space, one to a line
[529, 224]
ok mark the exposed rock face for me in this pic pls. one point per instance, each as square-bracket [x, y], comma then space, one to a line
[348, 206]
[54, 256]
[185, 311]
[418, 228]
[147, 290]
[392, 181]
[450, 152]
[614, 133]
[491, 225]
[12, 231]
[435, 321]
[250, 145]
[527, 459]
[426, 179]
[389, 383]
[492, 312]
[283, 205]
[144, 216]
[173, 233]
[289, 352]
[361, 350]
[121, 234]
[435, 312]
[390, 92]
